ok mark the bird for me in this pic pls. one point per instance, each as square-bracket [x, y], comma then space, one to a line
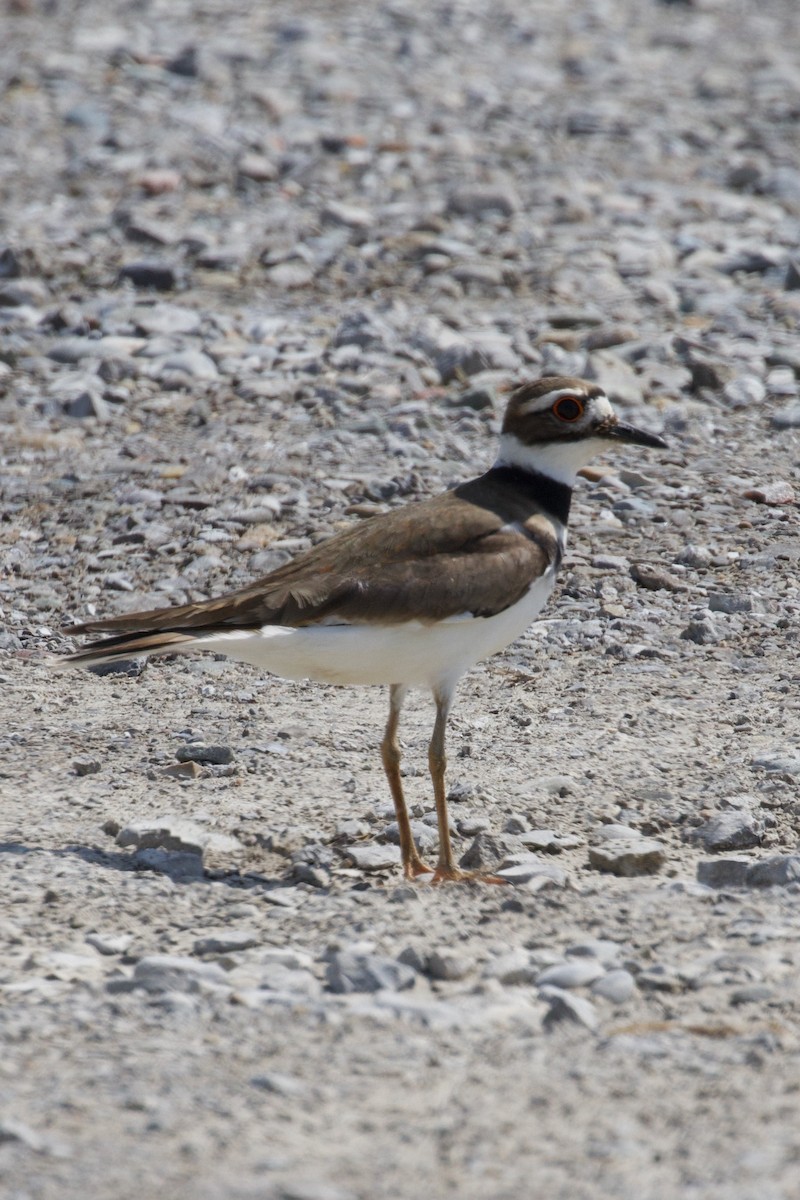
[413, 597]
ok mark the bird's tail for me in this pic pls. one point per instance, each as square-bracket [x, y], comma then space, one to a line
[126, 645]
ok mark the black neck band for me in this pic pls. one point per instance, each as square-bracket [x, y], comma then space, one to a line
[546, 493]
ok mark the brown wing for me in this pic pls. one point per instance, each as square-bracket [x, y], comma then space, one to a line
[428, 561]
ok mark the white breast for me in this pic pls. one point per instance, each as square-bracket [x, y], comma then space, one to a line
[411, 653]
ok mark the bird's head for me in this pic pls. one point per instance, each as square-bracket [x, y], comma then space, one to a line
[556, 424]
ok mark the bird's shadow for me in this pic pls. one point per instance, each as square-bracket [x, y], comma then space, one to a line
[180, 867]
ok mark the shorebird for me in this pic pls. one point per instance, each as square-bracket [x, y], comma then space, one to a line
[413, 597]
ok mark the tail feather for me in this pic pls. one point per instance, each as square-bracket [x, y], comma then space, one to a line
[127, 645]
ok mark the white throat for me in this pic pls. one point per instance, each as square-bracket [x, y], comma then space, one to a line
[557, 460]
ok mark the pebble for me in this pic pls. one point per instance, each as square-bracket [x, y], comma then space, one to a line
[160, 276]
[369, 856]
[226, 941]
[617, 986]
[512, 968]
[175, 833]
[571, 974]
[777, 871]
[724, 872]
[642, 856]
[351, 972]
[656, 578]
[199, 752]
[564, 1008]
[776, 493]
[728, 831]
[447, 965]
[174, 973]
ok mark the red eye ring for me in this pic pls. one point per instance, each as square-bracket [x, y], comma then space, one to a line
[568, 408]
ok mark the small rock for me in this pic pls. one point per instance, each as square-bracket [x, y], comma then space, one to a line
[777, 871]
[476, 201]
[788, 417]
[174, 973]
[571, 974]
[656, 579]
[175, 833]
[564, 1007]
[109, 944]
[753, 993]
[227, 941]
[87, 403]
[160, 276]
[349, 972]
[447, 965]
[199, 752]
[484, 852]
[724, 872]
[369, 856]
[86, 766]
[778, 761]
[512, 968]
[729, 603]
[642, 856]
[185, 770]
[772, 494]
[617, 986]
[703, 632]
[728, 831]
[745, 391]
[660, 978]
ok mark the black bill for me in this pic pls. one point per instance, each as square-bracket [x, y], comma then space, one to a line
[621, 432]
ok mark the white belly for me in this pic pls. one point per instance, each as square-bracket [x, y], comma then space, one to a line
[411, 653]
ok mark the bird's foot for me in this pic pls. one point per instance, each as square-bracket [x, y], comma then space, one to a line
[444, 874]
[416, 867]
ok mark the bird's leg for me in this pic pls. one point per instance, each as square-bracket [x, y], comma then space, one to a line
[446, 869]
[390, 754]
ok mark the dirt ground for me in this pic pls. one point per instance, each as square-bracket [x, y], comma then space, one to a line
[213, 980]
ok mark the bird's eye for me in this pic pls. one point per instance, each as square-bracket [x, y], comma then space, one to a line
[568, 408]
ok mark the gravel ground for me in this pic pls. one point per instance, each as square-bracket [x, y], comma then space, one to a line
[264, 272]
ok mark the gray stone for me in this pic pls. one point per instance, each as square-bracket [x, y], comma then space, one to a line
[729, 602]
[532, 872]
[616, 986]
[369, 856]
[566, 1008]
[579, 973]
[484, 851]
[160, 276]
[351, 972]
[280, 977]
[476, 201]
[175, 973]
[724, 872]
[777, 871]
[199, 752]
[728, 831]
[227, 941]
[788, 417]
[703, 632]
[86, 766]
[641, 856]
[779, 761]
[745, 391]
[447, 965]
[513, 968]
[175, 833]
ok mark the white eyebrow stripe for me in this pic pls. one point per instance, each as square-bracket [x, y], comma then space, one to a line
[540, 403]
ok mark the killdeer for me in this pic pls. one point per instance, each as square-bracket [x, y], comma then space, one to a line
[412, 597]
